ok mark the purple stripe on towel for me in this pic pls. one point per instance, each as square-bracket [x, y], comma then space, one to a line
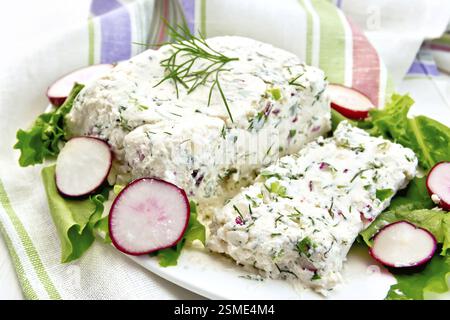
[115, 25]
[189, 13]
[419, 67]
[99, 7]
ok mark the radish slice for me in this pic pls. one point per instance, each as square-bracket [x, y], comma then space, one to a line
[148, 215]
[438, 184]
[349, 102]
[60, 89]
[82, 166]
[402, 244]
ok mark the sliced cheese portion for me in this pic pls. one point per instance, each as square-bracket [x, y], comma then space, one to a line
[299, 220]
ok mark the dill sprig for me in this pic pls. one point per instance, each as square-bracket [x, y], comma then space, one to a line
[187, 50]
[293, 81]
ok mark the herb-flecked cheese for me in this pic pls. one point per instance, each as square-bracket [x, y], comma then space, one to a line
[194, 144]
[303, 213]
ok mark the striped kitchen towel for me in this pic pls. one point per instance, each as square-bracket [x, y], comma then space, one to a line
[104, 31]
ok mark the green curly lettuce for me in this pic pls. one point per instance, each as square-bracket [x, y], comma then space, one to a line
[430, 140]
[76, 220]
[43, 140]
[414, 286]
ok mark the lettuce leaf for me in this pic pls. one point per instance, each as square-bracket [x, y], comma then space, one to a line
[415, 196]
[194, 231]
[413, 286]
[429, 139]
[75, 219]
[43, 140]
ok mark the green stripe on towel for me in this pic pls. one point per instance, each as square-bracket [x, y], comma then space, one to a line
[203, 17]
[27, 244]
[27, 289]
[332, 41]
[91, 56]
[309, 32]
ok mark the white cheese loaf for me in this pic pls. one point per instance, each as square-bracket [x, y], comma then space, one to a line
[195, 145]
[299, 220]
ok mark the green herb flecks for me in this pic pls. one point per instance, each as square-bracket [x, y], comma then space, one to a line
[238, 211]
[258, 121]
[276, 93]
[383, 194]
[268, 174]
[253, 201]
[142, 107]
[278, 189]
[293, 81]
[304, 246]
[316, 276]
[285, 271]
[292, 133]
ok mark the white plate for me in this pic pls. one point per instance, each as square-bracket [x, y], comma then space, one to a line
[217, 277]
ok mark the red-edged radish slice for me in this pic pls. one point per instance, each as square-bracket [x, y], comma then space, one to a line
[438, 184]
[60, 89]
[349, 102]
[403, 245]
[148, 215]
[82, 166]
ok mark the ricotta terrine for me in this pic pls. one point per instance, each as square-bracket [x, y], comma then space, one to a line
[303, 213]
[198, 147]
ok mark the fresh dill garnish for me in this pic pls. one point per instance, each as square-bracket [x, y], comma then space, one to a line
[359, 173]
[268, 150]
[252, 277]
[142, 107]
[148, 133]
[268, 174]
[285, 271]
[292, 133]
[188, 50]
[316, 276]
[238, 211]
[280, 216]
[371, 167]
[184, 141]
[254, 203]
[257, 122]
[304, 246]
[250, 210]
[275, 234]
[223, 133]
[330, 209]
[293, 82]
